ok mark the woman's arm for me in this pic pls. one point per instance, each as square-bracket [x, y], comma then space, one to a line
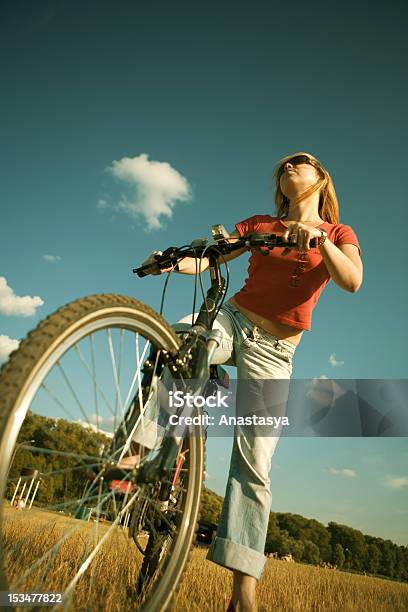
[343, 264]
[188, 264]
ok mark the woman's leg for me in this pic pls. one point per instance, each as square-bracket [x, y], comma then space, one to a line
[243, 592]
[264, 367]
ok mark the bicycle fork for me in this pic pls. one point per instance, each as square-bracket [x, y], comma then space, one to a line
[167, 488]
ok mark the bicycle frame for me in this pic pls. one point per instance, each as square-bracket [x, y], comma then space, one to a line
[200, 344]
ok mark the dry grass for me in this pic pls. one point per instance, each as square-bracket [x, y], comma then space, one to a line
[29, 535]
[206, 587]
[290, 587]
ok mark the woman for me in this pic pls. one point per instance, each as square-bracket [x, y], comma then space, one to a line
[262, 325]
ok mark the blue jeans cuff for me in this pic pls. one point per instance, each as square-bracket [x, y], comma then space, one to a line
[236, 557]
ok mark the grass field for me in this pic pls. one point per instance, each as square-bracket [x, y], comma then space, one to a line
[206, 586]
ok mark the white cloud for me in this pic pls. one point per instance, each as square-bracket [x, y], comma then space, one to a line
[333, 361]
[346, 472]
[315, 381]
[155, 188]
[103, 204]
[97, 419]
[12, 304]
[7, 346]
[52, 258]
[93, 427]
[396, 482]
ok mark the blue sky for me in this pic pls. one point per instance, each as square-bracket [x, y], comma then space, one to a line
[214, 95]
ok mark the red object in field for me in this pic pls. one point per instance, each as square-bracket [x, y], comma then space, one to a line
[120, 485]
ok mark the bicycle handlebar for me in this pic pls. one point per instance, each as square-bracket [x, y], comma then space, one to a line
[173, 255]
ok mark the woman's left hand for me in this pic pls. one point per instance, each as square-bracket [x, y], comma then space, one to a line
[301, 234]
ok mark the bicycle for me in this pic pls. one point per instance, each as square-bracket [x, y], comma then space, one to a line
[149, 512]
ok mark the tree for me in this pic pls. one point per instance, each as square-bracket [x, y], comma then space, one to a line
[301, 528]
[338, 557]
[311, 553]
[353, 543]
[297, 548]
[210, 506]
[373, 558]
[388, 558]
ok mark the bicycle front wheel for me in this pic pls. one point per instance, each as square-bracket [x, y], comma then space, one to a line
[71, 398]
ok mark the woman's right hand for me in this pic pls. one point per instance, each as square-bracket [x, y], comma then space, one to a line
[154, 269]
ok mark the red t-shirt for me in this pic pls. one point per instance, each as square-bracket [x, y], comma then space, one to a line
[287, 288]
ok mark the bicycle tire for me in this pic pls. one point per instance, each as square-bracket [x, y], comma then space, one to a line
[20, 375]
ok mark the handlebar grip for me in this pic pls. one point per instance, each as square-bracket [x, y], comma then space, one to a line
[163, 260]
[140, 273]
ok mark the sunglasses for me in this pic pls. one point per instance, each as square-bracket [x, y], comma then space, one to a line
[295, 161]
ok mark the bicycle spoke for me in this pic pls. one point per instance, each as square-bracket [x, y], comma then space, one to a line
[57, 401]
[118, 397]
[137, 372]
[96, 526]
[51, 451]
[139, 386]
[71, 502]
[93, 374]
[137, 375]
[95, 384]
[98, 388]
[86, 564]
[74, 395]
[67, 470]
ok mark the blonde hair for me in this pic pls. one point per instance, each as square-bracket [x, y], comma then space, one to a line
[328, 203]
